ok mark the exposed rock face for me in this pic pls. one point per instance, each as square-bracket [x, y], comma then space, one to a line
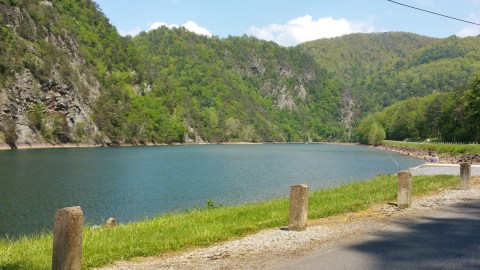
[24, 91]
[349, 108]
[285, 94]
[58, 97]
[192, 136]
[274, 80]
[285, 99]
[61, 99]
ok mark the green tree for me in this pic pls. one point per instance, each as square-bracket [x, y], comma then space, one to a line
[233, 127]
[376, 134]
[10, 136]
[369, 131]
[473, 107]
[36, 115]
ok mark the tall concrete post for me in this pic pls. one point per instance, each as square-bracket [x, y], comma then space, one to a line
[465, 172]
[298, 208]
[67, 239]
[404, 193]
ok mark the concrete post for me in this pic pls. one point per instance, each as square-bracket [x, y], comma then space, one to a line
[298, 208]
[67, 239]
[465, 169]
[110, 223]
[404, 193]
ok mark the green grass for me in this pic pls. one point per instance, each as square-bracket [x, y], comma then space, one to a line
[204, 227]
[451, 149]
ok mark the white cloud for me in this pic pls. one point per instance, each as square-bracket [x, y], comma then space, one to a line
[156, 25]
[470, 30]
[304, 29]
[190, 26]
[132, 32]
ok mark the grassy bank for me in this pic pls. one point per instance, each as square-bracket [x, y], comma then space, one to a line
[451, 149]
[207, 226]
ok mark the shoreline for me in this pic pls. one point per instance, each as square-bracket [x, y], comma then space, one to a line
[6, 147]
[425, 155]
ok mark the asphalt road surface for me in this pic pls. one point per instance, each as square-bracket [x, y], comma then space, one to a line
[446, 239]
[443, 239]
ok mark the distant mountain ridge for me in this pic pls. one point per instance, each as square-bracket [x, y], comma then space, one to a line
[393, 66]
[360, 55]
[67, 76]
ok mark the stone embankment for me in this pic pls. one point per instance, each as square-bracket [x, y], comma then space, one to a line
[426, 154]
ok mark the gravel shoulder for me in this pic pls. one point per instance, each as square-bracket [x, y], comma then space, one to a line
[270, 248]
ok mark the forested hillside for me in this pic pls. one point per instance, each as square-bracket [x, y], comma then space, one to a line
[237, 89]
[66, 75]
[383, 68]
[450, 117]
[355, 57]
[63, 59]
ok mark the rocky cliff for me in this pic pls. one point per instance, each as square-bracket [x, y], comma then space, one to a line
[46, 92]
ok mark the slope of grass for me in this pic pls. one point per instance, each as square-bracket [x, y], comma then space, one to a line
[204, 227]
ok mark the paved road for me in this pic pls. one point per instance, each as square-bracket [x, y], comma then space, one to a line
[445, 239]
[435, 169]
[448, 239]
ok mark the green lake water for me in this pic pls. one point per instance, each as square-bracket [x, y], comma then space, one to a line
[131, 183]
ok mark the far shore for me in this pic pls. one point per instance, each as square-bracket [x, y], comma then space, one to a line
[47, 146]
[4, 146]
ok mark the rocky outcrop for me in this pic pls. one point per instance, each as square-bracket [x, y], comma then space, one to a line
[425, 154]
[473, 159]
[349, 111]
[55, 97]
[54, 104]
[192, 136]
[287, 86]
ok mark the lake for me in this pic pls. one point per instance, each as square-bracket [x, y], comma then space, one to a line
[131, 183]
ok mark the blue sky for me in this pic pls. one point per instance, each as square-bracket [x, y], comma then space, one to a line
[289, 22]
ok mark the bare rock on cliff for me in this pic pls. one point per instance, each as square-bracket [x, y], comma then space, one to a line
[47, 100]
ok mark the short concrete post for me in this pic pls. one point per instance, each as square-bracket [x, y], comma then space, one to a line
[465, 169]
[110, 223]
[298, 208]
[67, 239]
[404, 193]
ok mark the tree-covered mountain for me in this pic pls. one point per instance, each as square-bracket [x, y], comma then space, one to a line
[354, 57]
[235, 89]
[66, 75]
[451, 117]
[383, 68]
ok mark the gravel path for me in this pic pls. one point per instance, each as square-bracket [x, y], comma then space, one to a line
[275, 247]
